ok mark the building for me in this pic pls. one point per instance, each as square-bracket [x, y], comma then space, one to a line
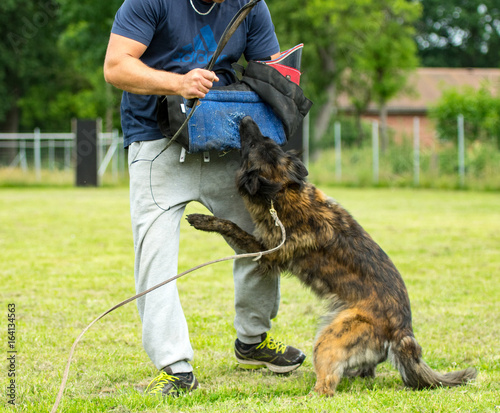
[425, 87]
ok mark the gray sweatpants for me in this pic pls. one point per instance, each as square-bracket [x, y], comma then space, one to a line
[159, 193]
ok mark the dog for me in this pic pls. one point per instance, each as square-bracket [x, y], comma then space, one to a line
[369, 317]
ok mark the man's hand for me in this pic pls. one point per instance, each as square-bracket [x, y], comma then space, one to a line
[197, 83]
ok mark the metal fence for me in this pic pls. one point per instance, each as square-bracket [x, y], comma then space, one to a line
[460, 163]
[53, 151]
[465, 159]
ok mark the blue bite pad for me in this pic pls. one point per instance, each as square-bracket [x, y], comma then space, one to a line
[215, 124]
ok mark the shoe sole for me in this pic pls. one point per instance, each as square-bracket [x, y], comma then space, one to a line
[254, 364]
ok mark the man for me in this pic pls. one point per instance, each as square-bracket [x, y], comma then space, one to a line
[158, 47]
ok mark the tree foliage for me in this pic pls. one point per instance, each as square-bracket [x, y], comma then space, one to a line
[385, 58]
[51, 62]
[362, 47]
[459, 33]
[28, 58]
[53, 50]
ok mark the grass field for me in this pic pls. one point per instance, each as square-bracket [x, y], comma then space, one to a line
[66, 256]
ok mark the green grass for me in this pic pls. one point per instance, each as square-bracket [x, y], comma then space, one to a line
[66, 256]
[62, 178]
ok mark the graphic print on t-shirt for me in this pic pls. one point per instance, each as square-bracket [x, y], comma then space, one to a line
[200, 50]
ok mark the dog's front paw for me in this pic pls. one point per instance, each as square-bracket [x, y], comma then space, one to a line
[202, 222]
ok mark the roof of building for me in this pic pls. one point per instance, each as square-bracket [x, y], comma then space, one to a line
[426, 85]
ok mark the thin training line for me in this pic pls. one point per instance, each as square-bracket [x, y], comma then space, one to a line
[128, 300]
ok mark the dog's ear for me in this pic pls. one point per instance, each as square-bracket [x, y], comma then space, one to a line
[254, 184]
[249, 181]
[268, 189]
[297, 168]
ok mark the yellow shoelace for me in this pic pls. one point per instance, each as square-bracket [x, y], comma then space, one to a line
[271, 344]
[158, 383]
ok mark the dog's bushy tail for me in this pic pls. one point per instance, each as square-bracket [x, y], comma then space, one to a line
[406, 355]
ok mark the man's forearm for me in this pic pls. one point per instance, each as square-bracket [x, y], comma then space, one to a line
[132, 75]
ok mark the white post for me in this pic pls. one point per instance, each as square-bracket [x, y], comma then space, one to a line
[22, 155]
[375, 147]
[52, 154]
[101, 142]
[461, 150]
[37, 154]
[116, 156]
[416, 150]
[338, 153]
[123, 156]
[67, 154]
[121, 151]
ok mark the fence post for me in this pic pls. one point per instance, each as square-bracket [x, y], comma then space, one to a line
[121, 151]
[101, 142]
[416, 151]
[338, 153]
[67, 154]
[116, 156]
[375, 147]
[22, 155]
[461, 150]
[52, 154]
[37, 153]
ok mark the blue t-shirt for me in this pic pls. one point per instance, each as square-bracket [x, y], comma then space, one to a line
[178, 40]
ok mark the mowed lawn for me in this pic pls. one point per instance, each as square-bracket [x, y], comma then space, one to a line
[67, 255]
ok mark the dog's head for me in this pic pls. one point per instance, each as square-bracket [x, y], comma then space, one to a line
[265, 168]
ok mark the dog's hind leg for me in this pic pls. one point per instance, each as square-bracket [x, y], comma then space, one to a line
[361, 372]
[347, 343]
[328, 373]
[234, 234]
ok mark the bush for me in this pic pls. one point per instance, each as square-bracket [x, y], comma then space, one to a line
[481, 111]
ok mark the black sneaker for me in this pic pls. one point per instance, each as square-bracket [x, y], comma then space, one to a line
[276, 356]
[170, 384]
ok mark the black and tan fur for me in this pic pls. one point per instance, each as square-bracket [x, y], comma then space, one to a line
[369, 317]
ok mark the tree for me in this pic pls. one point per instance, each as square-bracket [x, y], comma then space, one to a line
[27, 54]
[389, 55]
[459, 33]
[385, 57]
[51, 63]
[81, 91]
[364, 47]
[87, 29]
[320, 71]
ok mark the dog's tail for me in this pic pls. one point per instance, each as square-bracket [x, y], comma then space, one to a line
[406, 356]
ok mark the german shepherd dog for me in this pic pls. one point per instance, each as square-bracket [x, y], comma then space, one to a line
[369, 318]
